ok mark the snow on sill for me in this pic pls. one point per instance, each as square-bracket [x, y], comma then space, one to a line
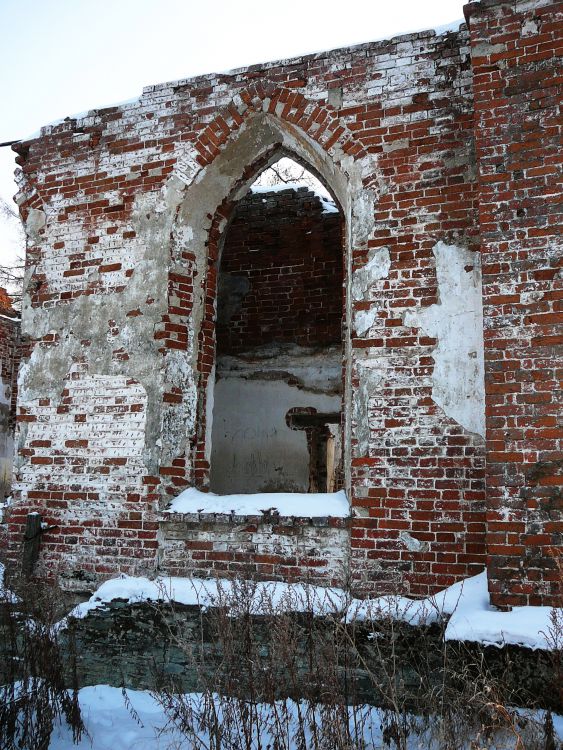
[466, 603]
[300, 504]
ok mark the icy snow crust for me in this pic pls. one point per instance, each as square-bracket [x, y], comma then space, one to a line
[304, 504]
[471, 618]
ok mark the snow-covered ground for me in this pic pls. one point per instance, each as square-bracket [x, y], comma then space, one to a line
[139, 722]
[111, 725]
[466, 604]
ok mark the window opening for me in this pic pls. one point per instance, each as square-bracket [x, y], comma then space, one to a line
[278, 387]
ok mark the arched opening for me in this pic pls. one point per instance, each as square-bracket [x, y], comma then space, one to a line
[276, 408]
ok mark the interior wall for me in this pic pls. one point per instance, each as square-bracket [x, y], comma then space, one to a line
[281, 272]
[279, 318]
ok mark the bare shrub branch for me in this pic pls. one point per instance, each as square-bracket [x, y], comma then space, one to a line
[36, 669]
[11, 274]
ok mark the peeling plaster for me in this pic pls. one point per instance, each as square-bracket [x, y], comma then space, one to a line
[369, 372]
[178, 422]
[364, 319]
[413, 544]
[377, 268]
[363, 217]
[87, 318]
[457, 323]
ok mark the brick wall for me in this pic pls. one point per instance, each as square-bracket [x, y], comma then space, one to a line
[417, 474]
[85, 449]
[126, 210]
[290, 253]
[126, 276]
[270, 547]
[516, 53]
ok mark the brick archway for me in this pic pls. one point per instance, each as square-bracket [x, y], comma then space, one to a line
[315, 121]
[256, 138]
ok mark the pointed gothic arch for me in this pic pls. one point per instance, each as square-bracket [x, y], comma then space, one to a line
[203, 210]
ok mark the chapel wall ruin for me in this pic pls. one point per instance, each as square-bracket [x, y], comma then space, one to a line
[431, 145]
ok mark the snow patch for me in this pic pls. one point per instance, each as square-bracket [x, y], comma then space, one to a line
[112, 725]
[472, 618]
[265, 596]
[302, 504]
[466, 603]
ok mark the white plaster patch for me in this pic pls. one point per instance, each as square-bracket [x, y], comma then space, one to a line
[5, 393]
[528, 297]
[6, 441]
[188, 166]
[413, 544]
[530, 27]
[362, 214]
[364, 319]
[456, 322]
[396, 145]
[178, 421]
[35, 221]
[375, 269]
[209, 405]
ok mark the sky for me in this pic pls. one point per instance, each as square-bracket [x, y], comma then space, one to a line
[61, 57]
